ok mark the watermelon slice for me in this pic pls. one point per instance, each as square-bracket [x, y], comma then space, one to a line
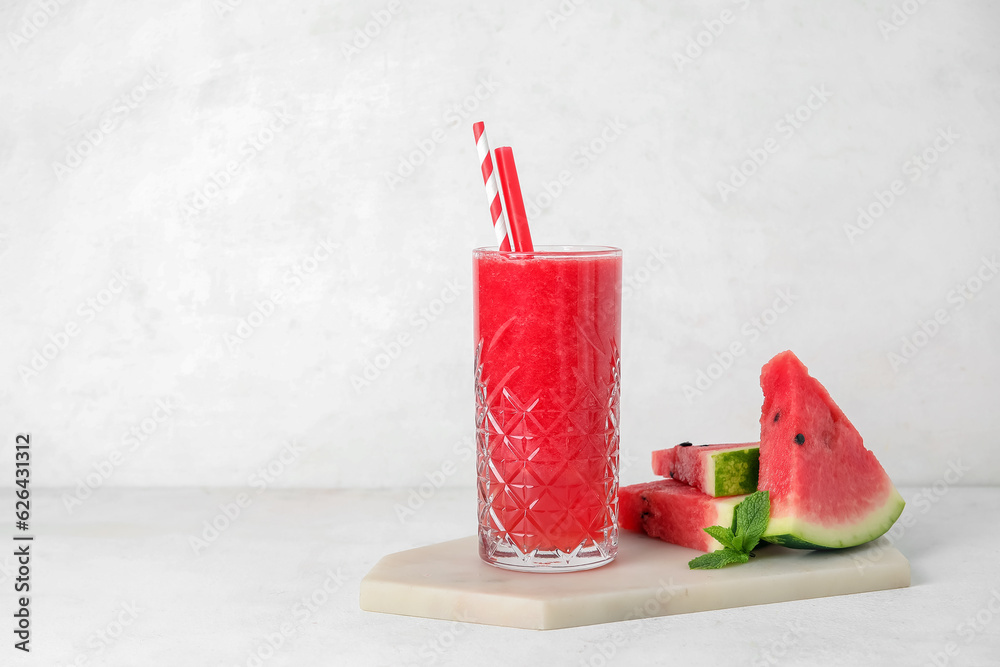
[717, 470]
[827, 490]
[675, 512]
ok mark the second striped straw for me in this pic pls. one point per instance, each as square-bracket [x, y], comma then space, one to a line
[503, 193]
[493, 196]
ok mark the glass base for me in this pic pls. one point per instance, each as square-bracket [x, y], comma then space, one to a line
[500, 553]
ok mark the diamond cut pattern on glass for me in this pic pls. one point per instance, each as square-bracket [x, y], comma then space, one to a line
[547, 466]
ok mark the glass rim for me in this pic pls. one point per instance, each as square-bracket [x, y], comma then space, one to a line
[554, 251]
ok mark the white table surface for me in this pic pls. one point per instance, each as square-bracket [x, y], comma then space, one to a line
[125, 556]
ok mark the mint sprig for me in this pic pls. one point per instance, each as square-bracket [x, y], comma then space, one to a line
[718, 559]
[749, 523]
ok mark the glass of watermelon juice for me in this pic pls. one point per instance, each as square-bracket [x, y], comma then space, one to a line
[547, 330]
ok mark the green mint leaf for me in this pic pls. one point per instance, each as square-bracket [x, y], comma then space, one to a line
[752, 516]
[712, 561]
[738, 541]
[723, 535]
[717, 559]
[750, 520]
[737, 556]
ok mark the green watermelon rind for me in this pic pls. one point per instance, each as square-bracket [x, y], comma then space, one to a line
[726, 513]
[796, 533]
[734, 471]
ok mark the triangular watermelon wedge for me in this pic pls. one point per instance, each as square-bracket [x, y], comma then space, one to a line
[827, 491]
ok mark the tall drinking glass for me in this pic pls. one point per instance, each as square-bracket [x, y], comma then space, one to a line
[547, 330]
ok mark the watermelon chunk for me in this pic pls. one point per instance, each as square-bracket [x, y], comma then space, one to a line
[675, 512]
[827, 490]
[717, 470]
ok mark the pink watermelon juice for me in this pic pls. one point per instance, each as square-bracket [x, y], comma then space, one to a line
[547, 329]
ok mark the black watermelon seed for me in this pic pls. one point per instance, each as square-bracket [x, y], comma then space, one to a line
[777, 415]
[800, 439]
[684, 444]
[671, 473]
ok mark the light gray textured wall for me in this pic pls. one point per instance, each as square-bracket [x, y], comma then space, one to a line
[167, 170]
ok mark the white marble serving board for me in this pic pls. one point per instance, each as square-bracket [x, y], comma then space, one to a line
[649, 578]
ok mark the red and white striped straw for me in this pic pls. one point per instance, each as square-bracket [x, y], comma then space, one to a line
[493, 196]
